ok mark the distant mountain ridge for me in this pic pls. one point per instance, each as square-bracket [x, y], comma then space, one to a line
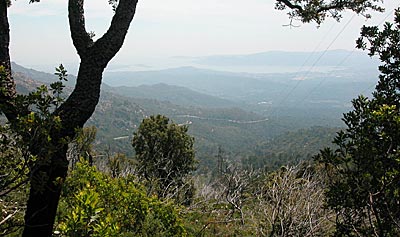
[237, 131]
[44, 76]
[309, 89]
[176, 94]
[118, 116]
[284, 58]
[41, 76]
[226, 85]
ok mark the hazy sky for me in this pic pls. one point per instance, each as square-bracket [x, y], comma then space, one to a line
[166, 28]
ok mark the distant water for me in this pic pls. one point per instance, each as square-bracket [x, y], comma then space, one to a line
[73, 69]
[152, 66]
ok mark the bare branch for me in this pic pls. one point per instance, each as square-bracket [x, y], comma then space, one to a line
[289, 4]
[9, 216]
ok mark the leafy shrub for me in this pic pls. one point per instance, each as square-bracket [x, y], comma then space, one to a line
[95, 204]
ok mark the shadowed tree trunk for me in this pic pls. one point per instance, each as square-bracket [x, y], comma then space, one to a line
[6, 82]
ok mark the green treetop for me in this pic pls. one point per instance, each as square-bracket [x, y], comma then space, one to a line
[164, 152]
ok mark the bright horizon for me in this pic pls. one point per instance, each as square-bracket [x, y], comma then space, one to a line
[187, 28]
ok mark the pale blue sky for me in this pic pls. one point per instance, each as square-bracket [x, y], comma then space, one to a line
[163, 29]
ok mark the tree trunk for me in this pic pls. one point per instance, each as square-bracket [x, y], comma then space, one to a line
[46, 183]
[44, 195]
[7, 95]
[4, 37]
[75, 111]
[81, 104]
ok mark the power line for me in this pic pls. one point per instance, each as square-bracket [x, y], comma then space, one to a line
[306, 61]
[329, 46]
[344, 60]
[313, 65]
[304, 64]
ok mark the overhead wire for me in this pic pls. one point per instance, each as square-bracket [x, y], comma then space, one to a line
[303, 66]
[312, 66]
[343, 61]
[308, 94]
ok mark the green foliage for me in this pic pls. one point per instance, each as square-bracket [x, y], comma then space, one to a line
[118, 164]
[44, 100]
[164, 152]
[36, 122]
[289, 148]
[25, 145]
[365, 170]
[14, 172]
[81, 146]
[95, 204]
[14, 160]
[35, 126]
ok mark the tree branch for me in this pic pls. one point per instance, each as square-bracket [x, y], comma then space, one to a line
[7, 84]
[112, 40]
[79, 35]
[9, 216]
[289, 4]
[80, 105]
[317, 11]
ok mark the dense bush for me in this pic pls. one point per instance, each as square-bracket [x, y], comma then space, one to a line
[95, 204]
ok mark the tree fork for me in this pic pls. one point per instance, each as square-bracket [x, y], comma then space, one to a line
[76, 110]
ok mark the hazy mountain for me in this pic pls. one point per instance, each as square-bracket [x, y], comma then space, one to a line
[235, 130]
[43, 76]
[116, 117]
[267, 105]
[333, 58]
[258, 91]
[175, 94]
[40, 76]
[216, 83]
